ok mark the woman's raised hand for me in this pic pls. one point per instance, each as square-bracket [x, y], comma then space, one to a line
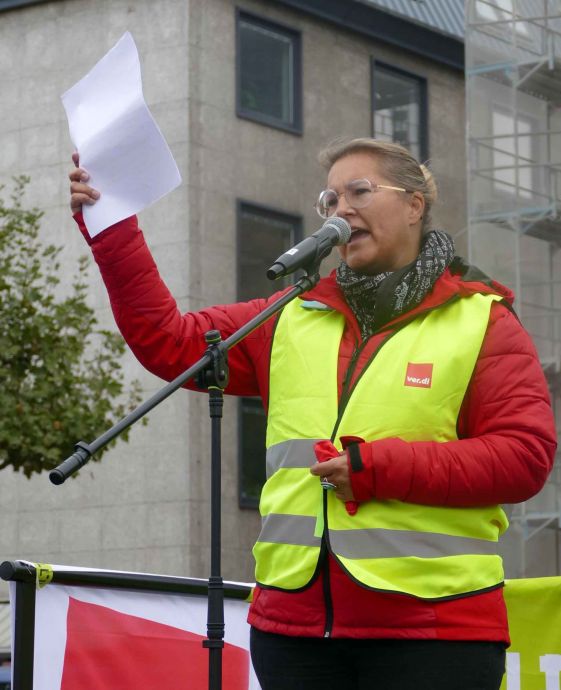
[80, 192]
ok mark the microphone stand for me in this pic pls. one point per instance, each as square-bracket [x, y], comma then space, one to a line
[211, 372]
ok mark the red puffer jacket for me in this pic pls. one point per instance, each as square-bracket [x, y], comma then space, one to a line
[504, 453]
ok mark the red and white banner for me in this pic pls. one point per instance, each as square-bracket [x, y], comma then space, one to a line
[98, 638]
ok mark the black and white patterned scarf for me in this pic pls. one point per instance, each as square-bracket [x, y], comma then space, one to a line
[377, 299]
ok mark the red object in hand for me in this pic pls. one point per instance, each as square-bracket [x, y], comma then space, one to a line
[325, 450]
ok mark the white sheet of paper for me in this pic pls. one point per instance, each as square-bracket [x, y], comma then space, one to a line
[119, 143]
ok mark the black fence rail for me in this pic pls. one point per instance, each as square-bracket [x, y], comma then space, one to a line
[27, 576]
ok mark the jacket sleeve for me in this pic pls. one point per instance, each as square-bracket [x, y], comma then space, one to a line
[164, 340]
[506, 433]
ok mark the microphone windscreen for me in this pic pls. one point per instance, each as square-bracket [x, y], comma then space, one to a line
[341, 226]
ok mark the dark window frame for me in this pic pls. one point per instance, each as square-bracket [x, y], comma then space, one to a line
[296, 126]
[270, 212]
[506, 190]
[423, 102]
[244, 501]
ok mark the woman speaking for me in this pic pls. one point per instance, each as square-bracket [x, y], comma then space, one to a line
[407, 373]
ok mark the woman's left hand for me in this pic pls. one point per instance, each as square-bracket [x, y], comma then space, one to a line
[336, 471]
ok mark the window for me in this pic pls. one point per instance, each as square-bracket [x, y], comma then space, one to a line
[268, 73]
[512, 152]
[399, 105]
[502, 11]
[263, 235]
[251, 463]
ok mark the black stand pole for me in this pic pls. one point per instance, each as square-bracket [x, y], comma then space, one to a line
[24, 623]
[211, 372]
[215, 378]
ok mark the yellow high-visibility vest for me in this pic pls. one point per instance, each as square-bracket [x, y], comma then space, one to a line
[412, 389]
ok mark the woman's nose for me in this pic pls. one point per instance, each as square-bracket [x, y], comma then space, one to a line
[343, 206]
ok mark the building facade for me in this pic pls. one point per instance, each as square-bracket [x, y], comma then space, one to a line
[513, 96]
[246, 94]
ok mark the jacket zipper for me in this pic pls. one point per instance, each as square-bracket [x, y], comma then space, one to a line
[345, 397]
[327, 600]
[347, 380]
[347, 389]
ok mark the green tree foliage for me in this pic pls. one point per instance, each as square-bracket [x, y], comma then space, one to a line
[60, 375]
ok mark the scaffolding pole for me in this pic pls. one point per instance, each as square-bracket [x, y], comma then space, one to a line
[513, 116]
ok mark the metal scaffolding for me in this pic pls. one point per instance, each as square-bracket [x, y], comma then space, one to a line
[513, 110]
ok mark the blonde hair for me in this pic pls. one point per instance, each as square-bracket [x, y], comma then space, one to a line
[398, 165]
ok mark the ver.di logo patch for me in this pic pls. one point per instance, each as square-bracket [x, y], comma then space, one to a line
[418, 375]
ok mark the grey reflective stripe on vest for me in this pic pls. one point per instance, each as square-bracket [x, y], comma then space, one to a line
[390, 543]
[289, 529]
[296, 453]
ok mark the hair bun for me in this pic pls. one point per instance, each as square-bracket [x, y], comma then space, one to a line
[432, 189]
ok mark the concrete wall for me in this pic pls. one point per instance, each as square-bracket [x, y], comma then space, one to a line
[132, 511]
[146, 506]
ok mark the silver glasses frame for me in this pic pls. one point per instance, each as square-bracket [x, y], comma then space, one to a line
[373, 187]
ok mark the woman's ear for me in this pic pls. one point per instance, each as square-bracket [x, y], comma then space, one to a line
[416, 208]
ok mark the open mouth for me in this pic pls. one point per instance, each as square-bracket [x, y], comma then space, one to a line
[357, 234]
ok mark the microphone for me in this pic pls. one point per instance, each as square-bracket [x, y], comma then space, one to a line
[313, 249]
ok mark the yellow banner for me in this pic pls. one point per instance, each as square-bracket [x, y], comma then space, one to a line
[533, 660]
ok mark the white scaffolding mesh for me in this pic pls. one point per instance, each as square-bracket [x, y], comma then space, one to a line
[513, 111]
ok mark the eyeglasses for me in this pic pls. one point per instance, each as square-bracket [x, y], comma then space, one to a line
[358, 194]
